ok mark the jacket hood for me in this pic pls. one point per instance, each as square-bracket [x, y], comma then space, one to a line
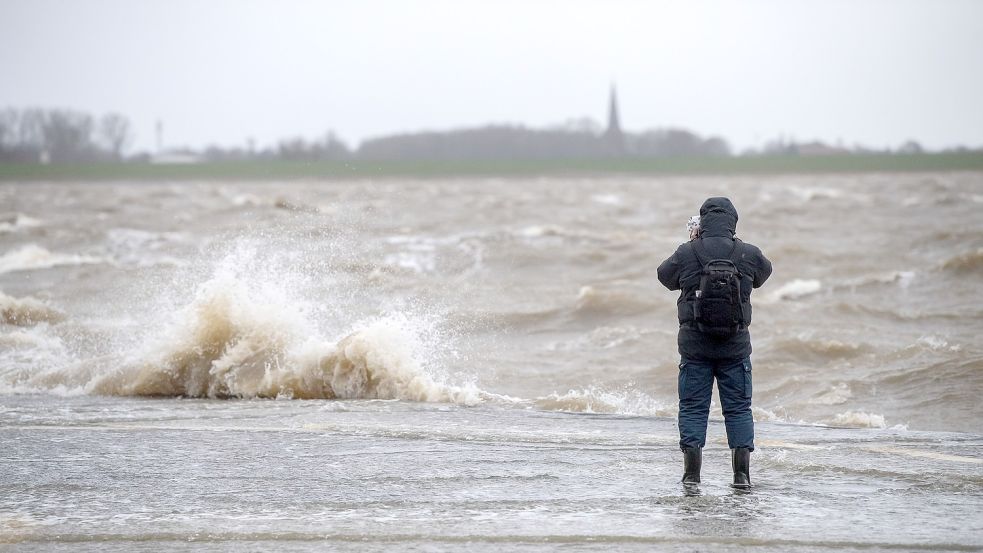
[718, 217]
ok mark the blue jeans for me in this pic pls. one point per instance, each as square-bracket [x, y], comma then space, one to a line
[695, 390]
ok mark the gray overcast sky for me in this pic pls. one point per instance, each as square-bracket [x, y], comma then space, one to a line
[219, 71]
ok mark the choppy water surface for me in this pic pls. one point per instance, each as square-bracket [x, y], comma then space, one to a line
[479, 363]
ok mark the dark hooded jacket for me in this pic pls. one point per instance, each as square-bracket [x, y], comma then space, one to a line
[718, 223]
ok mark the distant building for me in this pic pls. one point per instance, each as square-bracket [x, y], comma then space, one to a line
[817, 148]
[175, 157]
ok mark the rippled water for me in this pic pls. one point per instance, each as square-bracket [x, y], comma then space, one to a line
[479, 363]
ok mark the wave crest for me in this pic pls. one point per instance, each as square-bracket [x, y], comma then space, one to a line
[27, 311]
[609, 299]
[32, 256]
[965, 262]
[597, 400]
[794, 290]
[857, 419]
[806, 345]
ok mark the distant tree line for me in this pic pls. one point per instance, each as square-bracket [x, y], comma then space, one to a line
[62, 136]
[329, 147]
[516, 142]
[67, 136]
[492, 142]
[579, 140]
[582, 140]
[675, 143]
[787, 146]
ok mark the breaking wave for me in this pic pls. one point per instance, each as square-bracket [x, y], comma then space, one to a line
[232, 342]
[857, 419]
[607, 300]
[901, 278]
[234, 346]
[965, 262]
[27, 311]
[32, 256]
[805, 345]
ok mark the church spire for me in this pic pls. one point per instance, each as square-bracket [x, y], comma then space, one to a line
[614, 122]
[613, 134]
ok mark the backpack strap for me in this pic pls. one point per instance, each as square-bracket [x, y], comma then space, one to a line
[696, 252]
[737, 252]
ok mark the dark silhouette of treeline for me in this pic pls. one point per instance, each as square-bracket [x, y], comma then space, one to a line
[62, 136]
[516, 142]
[67, 136]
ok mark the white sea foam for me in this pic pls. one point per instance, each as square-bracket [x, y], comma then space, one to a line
[26, 353]
[16, 222]
[593, 399]
[810, 193]
[143, 248]
[836, 395]
[761, 414]
[245, 199]
[857, 419]
[537, 231]
[794, 289]
[427, 254]
[606, 199]
[417, 254]
[936, 343]
[31, 257]
[901, 278]
[632, 402]
[603, 337]
[417, 262]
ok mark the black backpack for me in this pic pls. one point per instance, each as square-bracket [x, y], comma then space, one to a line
[717, 309]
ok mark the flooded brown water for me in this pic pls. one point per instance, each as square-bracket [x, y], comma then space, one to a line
[433, 363]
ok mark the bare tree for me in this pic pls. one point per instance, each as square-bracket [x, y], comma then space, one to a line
[67, 135]
[20, 135]
[39, 135]
[8, 124]
[30, 128]
[115, 133]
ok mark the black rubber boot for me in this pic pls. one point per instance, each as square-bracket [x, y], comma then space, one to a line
[692, 462]
[741, 461]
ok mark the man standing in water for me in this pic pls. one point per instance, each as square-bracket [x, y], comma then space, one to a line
[715, 273]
